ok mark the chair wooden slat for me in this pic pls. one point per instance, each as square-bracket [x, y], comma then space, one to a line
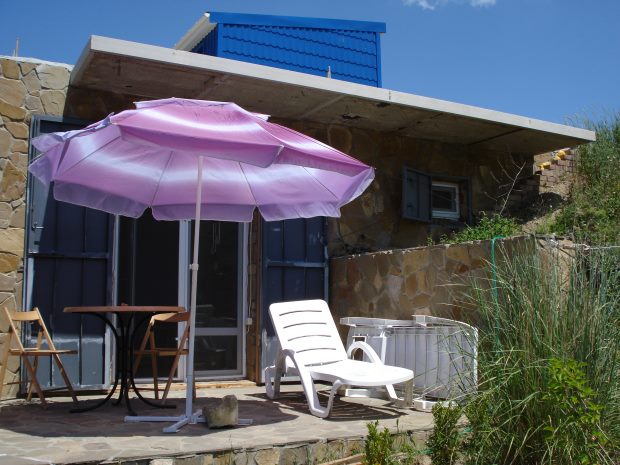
[15, 347]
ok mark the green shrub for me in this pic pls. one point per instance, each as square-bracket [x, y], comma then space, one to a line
[593, 212]
[548, 361]
[383, 448]
[574, 431]
[378, 446]
[488, 227]
[444, 441]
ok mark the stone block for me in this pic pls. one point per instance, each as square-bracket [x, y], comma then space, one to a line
[225, 413]
[20, 161]
[53, 102]
[294, 456]
[27, 67]
[7, 282]
[267, 456]
[367, 266]
[18, 130]
[10, 68]
[9, 262]
[13, 92]
[12, 241]
[415, 259]
[459, 253]
[411, 285]
[394, 285]
[19, 145]
[12, 183]
[53, 77]
[6, 140]
[33, 103]
[11, 111]
[438, 256]
[18, 218]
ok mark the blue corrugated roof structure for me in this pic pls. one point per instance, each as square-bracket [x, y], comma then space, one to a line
[350, 50]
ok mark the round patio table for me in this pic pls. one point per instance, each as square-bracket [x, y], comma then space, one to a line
[125, 315]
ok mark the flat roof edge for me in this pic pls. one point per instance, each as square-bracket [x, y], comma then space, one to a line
[100, 44]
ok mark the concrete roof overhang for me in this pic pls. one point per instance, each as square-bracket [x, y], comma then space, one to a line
[156, 72]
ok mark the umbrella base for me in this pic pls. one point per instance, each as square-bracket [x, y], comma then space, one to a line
[180, 421]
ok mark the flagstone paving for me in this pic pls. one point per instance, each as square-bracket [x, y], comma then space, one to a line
[282, 431]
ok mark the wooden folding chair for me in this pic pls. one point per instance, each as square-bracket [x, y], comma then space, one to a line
[15, 347]
[155, 352]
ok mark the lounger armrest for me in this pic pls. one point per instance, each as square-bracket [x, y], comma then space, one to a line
[367, 349]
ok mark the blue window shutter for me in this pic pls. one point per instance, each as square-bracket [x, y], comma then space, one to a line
[416, 199]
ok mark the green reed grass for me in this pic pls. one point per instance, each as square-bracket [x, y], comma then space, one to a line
[551, 310]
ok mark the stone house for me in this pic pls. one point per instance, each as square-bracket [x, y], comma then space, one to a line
[437, 165]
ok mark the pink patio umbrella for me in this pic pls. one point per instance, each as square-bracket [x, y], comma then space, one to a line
[194, 159]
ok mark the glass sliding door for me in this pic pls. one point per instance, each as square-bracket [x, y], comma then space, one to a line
[219, 344]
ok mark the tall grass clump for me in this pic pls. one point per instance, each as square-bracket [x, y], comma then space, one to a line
[548, 360]
[592, 214]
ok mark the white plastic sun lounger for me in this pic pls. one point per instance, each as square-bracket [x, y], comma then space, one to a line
[311, 348]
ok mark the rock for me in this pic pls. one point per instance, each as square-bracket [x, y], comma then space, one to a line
[20, 160]
[27, 67]
[12, 91]
[8, 262]
[225, 413]
[13, 112]
[5, 143]
[12, 183]
[31, 80]
[267, 456]
[12, 240]
[53, 102]
[18, 220]
[7, 282]
[18, 130]
[10, 68]
[53, 77]
[20, 146]
[33, 103]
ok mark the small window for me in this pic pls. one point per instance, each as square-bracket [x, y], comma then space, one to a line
[445, 200]
[428, 197]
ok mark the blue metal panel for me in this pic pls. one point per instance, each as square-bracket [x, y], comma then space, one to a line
[68, 264]
[350, 49]
[294, 268]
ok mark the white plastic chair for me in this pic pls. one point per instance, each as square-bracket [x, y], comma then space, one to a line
[311, 348]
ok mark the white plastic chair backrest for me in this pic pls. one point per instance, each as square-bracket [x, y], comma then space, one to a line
[307, 327]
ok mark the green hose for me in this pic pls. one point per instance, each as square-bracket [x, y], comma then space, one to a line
[494, 291]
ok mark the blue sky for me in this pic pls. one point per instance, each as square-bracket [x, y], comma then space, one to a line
[547, 59]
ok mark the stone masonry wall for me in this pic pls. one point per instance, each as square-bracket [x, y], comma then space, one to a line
[374, 221]
[396, 284]
[26, 88]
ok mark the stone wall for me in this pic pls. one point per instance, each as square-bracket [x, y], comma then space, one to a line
[374, 221]
[399, 283]
[26, 88]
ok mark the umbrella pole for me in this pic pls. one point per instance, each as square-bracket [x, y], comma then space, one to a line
[189, 416]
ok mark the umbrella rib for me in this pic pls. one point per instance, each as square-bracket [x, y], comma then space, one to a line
[248, 183]
[322, 184]
[81, 160]
[161, 176]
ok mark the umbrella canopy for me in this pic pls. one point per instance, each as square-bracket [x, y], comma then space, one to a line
[148, 157]
[194, 159]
